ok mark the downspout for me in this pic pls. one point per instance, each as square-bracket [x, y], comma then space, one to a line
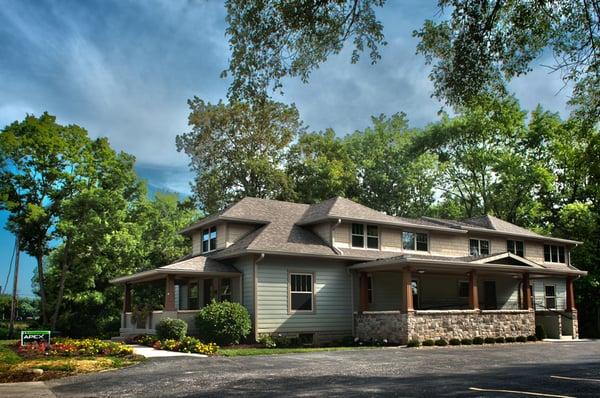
[351, 272]
[256, 261]
[331, 236]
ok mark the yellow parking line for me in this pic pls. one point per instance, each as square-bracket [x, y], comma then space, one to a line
[537, 394]
[574, 378]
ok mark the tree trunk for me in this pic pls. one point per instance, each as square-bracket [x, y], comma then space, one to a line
[61, 288]
[13, 305]
[42, 292]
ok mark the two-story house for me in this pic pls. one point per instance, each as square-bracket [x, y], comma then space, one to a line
[337, 269]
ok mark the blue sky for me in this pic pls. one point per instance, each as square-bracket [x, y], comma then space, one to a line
[125, 69]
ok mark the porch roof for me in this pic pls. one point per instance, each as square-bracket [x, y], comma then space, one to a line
[483, 263]
[194, 266]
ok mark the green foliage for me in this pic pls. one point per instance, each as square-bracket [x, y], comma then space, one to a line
[540, 332]
[489, 340]
[413, 343]
[478, 340]
[441, 342]
[466, 341]
[169, 328]
[187, 345]
[237, 149]
[428, 343]
[532, 338]
[500, 340]
[273, 39]
[267, 340]
[521, 339]
[454, 341]
[510, 339]
[223, 322]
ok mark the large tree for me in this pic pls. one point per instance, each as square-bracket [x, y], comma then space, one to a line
[238, 149]
[476, 49]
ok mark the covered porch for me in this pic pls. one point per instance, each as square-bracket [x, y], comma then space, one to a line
[419, 297]
[188, 285]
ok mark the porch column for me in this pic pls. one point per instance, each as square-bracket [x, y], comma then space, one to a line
[526, 292]
[407, 291]
[170, 293]
[127, 298]
[473, 292]
[570, 294]
[364, 294]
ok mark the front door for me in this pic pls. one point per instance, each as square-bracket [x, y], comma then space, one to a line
[489, 295]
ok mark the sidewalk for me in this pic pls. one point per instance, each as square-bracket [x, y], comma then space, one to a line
[29, 389]
[150, 352]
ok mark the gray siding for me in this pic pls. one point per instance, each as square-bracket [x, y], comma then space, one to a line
[539, 293]
[332, 303]
[246, 266]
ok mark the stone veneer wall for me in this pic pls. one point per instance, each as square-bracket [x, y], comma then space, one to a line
[381, 325]
[422, 325]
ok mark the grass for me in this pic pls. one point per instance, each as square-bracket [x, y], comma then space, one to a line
[240, 352]
[13, 367]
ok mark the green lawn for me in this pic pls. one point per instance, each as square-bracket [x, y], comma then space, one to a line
[238, 352]
[7, 356]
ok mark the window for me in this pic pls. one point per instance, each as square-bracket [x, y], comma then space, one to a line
[479, 247]
[463, 289]
[193, 296]
[371, 237]
[209, 239]
[301, 292]
[515, 247]
[414, 241]
[550, 297]
[554, 254]
[225, 293]
[370, 289]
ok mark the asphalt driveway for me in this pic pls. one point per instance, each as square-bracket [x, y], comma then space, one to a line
[569, 369]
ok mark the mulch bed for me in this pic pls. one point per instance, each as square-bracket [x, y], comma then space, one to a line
[15, 377]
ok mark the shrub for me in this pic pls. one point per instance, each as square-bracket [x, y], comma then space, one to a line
[171, 329]
[540, 332]
[89, 347]
[531, 338]
[500, 340]
[428, 343]
[441, 343]
[489, 340]
[454, 342]
[510, 339]
[521, 339]
[478, 340]
[145, 339]
[187, 345]
[466, 342]
[413, 343]
[223, 322]
[267, 341]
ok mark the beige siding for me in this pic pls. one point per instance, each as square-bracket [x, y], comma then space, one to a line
[323, 231]
[448, 245]
[221, 234]
[539, 293]
[534, 251]
[236, 231]
[341, 235]
[196, 242]
[391, 239]
[331, 300]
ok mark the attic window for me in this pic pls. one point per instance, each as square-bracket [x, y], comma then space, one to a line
[515, 247]
[371, 237]
[209, 239]
[479, 247]
[554, 254]
[414, 241]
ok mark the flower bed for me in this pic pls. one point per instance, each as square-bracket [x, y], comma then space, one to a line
[75, 347]
[186, 344]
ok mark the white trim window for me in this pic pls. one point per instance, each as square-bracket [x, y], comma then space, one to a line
[416, 241]
[554, 254]
[479, 247]
[365, 233]
[209, 239]
[550, 296]
[516, 247]
[301, 292]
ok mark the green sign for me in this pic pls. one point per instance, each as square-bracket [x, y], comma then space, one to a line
[32, 336]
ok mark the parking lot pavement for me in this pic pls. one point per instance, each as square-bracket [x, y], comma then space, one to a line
[570, 369]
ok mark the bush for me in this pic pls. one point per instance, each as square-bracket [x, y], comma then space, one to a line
[510, 339]
[454, 342]
[478, 340]
[500, 340]
[223, 322]
[540, 332]
[466, 342]
[88, 347]
[413, 343]
[145, 339]
[267, 341]
[531, 338]
[428, 343]
[441, 343]
[171, 329]
[187, 345]
[521, 339]
[489, 340]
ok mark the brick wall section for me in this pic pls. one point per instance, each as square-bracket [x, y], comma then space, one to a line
[422, 325]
